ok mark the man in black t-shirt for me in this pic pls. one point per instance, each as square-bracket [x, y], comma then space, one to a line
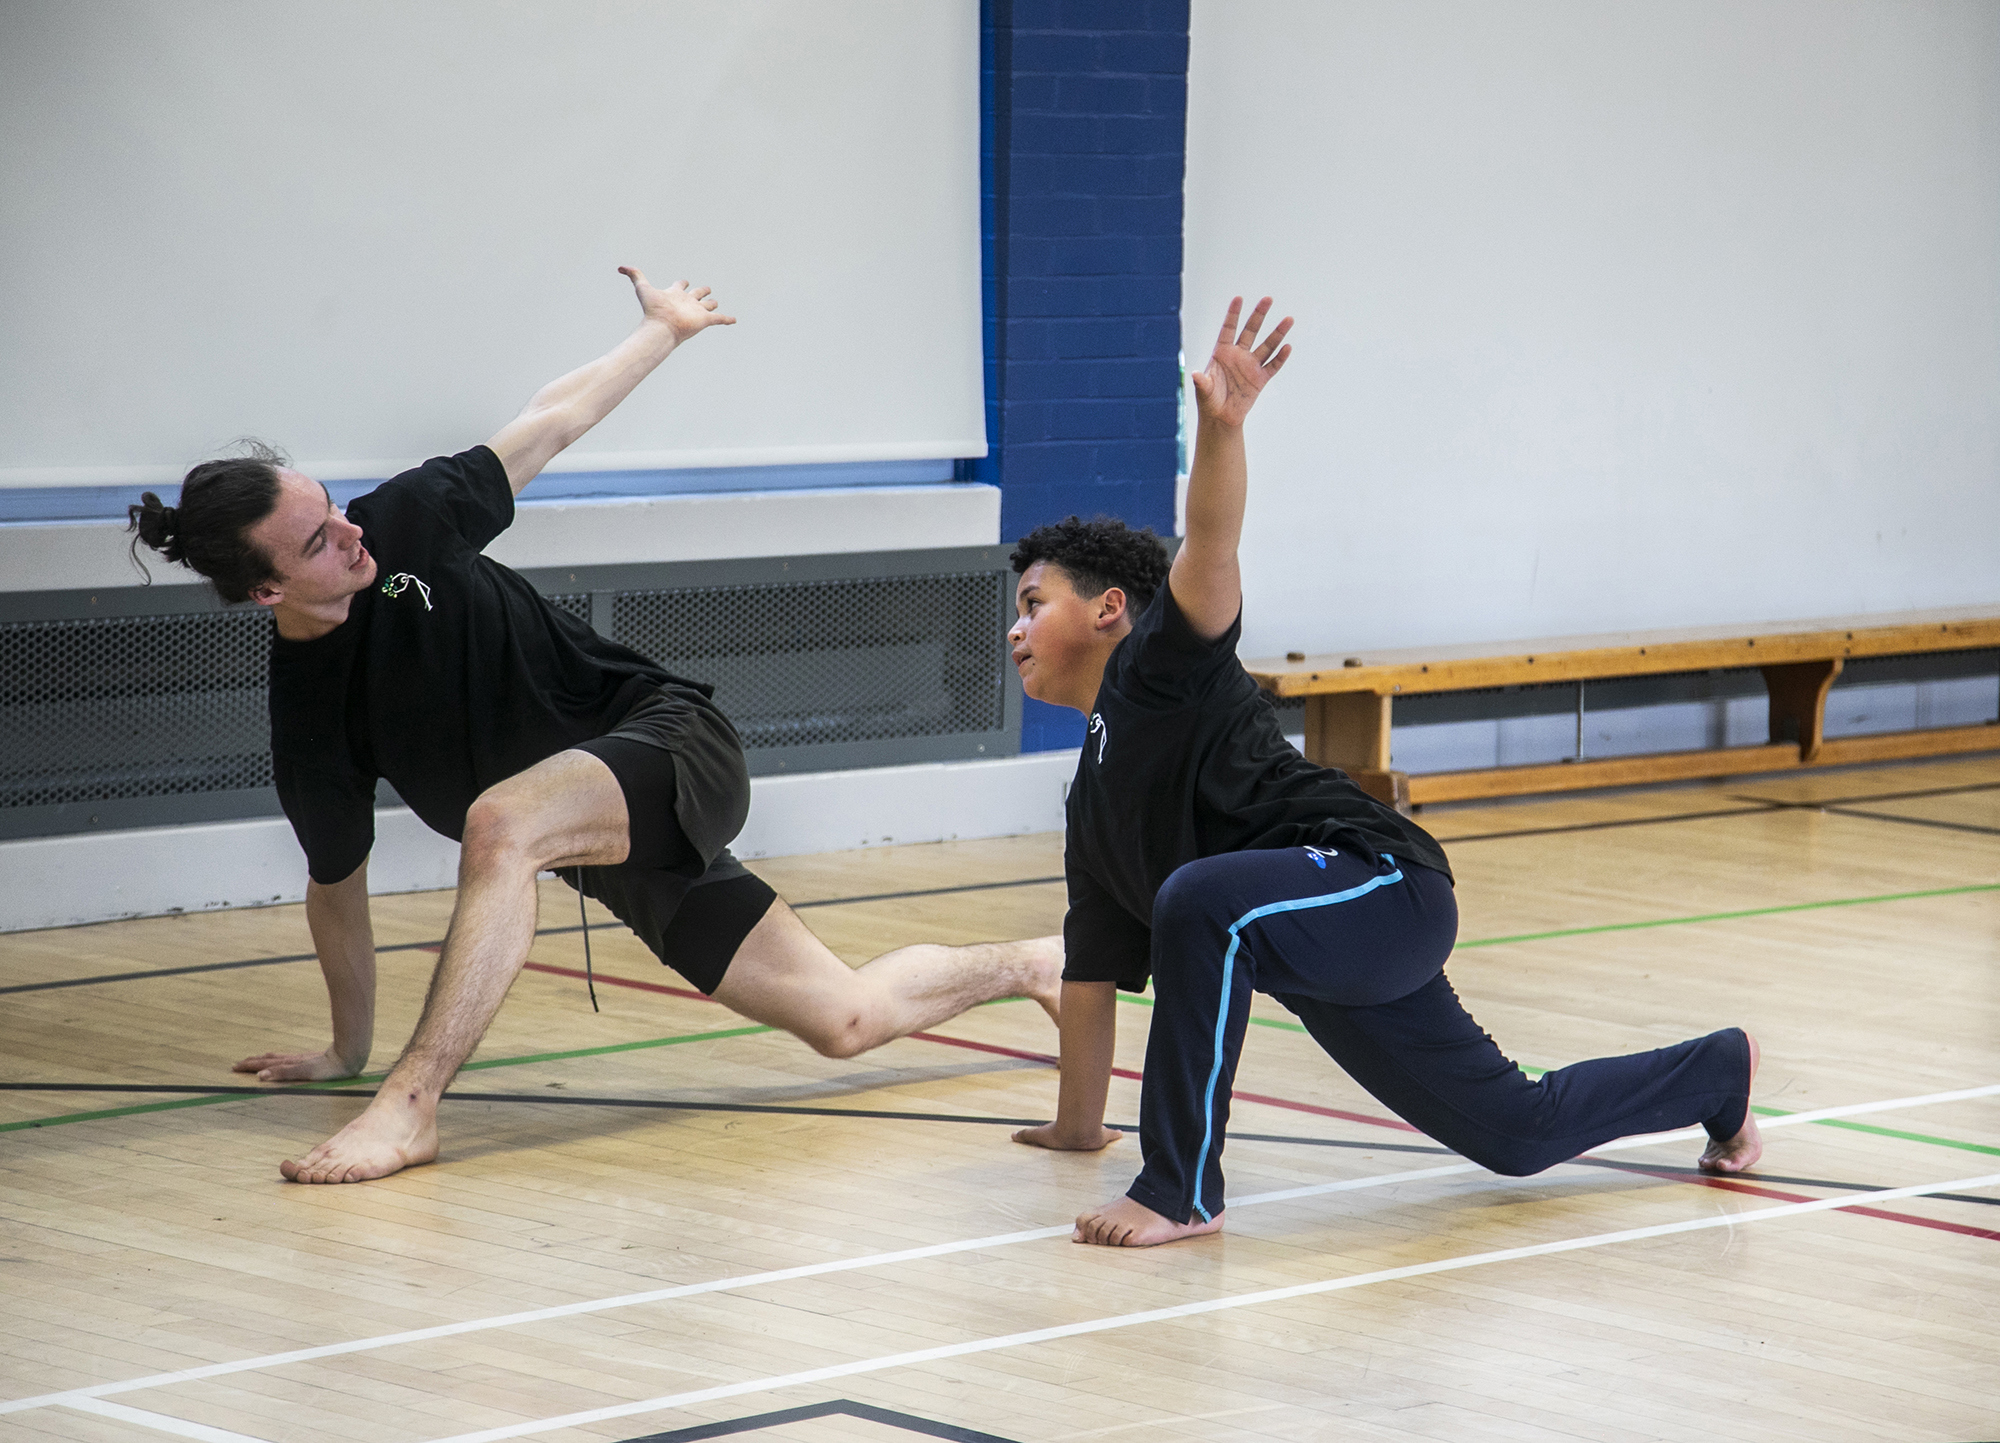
[1204, 851]
[400, 652]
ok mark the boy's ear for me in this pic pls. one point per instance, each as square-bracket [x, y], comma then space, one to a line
[267, 594]
[1111, 607]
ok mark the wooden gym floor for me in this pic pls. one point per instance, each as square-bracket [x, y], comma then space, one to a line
[658, 1221]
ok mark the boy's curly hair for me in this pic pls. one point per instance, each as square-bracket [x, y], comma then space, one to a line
[1099, 554]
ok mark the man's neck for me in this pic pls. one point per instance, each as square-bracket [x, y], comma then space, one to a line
[310, 623]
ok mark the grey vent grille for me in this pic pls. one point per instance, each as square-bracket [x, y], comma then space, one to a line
[136, 706]
[828, 662]
[143, 707]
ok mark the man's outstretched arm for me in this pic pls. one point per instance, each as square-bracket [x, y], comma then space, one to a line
[570, 405]
[344, 937]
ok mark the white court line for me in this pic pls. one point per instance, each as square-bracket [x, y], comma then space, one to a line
[1158, 1315]
[870, 1260]
[179, 1427]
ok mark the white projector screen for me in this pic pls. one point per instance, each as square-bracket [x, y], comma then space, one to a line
[1649, 314]
[368, 230]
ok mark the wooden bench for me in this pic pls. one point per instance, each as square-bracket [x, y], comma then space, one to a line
[1349, 698]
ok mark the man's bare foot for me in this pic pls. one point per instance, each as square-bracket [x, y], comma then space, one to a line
[1743, 1150]
[1124, 1223]
[1047, 964]
[1051, 1135]
[386, 1138]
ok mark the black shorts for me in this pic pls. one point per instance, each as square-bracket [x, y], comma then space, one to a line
[687, 791]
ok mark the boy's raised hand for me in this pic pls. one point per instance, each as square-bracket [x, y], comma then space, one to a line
[1240, 368]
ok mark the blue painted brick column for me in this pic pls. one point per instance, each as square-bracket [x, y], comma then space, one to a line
[1084, 149]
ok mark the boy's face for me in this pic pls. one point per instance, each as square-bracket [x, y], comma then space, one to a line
[1062, 640]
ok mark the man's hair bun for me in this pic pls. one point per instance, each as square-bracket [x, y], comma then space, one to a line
[208, 532]
[158, 525]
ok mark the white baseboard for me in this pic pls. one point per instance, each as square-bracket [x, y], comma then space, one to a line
[100, 876]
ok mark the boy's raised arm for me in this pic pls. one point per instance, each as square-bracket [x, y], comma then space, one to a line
[1206, 581]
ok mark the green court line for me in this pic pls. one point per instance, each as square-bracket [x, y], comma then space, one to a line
[1887, 1132]
[1731, 916]
[175, 1105]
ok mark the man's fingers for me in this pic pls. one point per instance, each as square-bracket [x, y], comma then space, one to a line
[698, 294]
[1277, 363]
[633, 274]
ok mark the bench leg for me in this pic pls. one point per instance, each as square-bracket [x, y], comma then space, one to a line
[1798, 702]
[1350, 730]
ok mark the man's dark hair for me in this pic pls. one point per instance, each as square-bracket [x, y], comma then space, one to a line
[1099, 554]
[207, 533]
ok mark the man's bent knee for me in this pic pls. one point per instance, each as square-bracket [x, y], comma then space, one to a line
[497, 837]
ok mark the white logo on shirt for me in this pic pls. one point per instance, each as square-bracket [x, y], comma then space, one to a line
[1101, 732]
[402, 581]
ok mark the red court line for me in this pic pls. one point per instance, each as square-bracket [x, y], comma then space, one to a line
[1126, 1072]
[609, 981]
[1737, 1185]
[1729, 1184]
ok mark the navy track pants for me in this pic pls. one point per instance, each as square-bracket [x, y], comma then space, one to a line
[1356, 946]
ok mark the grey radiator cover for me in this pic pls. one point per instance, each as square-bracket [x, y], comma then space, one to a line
[146, 706]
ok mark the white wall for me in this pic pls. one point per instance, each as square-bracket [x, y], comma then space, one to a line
[368, 230]
[1657, 313]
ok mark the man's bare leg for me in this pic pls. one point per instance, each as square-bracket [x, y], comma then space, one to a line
[1743, 1150]
[564, 811]
[786, 977]
[1123, 1223]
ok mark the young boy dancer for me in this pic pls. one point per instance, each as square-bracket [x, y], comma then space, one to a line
[1204, 849]
[401, 652]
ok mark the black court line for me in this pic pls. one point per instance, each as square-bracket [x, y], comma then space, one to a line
[1913, 821]
[420, 946]
[924, 892]
[673, 1105]
[1655, 1169]
[908, 1422]
[799, 1110]
[1763, 809]
[1879, 796]
[1757, 806]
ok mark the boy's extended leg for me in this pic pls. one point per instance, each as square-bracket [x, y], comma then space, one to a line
[1429, 1062]
[562, 811]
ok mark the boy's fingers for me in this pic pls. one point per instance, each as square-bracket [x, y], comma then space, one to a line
[1254, 324]
[1271, 341]
[1229, 323]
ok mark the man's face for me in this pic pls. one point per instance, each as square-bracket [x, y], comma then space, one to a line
[314, 549]
[1061, 640]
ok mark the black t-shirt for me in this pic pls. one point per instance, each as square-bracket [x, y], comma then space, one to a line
[1185, 759]
[450, 673]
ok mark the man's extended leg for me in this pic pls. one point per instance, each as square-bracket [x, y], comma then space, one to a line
[786, 977]
[566, 810]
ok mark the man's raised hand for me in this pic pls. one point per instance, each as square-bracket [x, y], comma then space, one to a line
[1240, 367]
[686, 312]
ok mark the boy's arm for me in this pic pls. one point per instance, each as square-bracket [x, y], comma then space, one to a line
[1205, 579]
[344, 937]
[1089, 1032]
[570, 405]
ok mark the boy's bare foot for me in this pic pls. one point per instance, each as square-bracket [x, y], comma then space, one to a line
[1743, 1150]
[1051, 1135]
[1128, 1224]
[386, 1138]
